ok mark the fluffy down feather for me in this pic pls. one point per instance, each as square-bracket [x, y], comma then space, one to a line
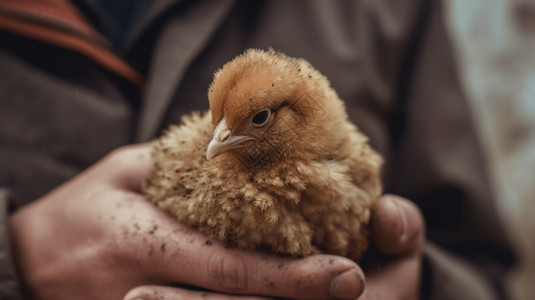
[303, 182]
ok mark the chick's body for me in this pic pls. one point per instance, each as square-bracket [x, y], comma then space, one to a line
[287, 172]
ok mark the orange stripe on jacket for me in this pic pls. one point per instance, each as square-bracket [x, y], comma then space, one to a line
[59, 23]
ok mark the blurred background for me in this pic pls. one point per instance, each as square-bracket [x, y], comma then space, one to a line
[495, 43]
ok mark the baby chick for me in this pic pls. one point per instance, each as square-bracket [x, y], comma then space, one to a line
[276, 166]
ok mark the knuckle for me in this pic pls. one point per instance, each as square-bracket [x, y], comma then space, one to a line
[124, 156]
[228, 272]
[114, 159]
[121, 154]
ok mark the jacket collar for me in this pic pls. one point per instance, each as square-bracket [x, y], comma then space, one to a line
[153, 12]
[178, 44]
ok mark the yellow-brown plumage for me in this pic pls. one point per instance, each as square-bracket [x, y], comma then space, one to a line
[302, 183]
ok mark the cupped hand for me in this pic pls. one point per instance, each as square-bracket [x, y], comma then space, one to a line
[97, 237]
[397, 230]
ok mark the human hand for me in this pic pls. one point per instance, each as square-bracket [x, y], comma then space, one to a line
[398, 231]
[96, 237]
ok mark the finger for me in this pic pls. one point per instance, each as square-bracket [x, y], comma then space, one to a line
[155, 292]
[397, 226]
[313, 277]
[182, 255]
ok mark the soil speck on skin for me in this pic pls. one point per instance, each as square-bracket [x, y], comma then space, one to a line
[270, 284]
[154, 229]
[280, 265]
[162, 247]
[136, 226]
[208, 243]
[331, 261]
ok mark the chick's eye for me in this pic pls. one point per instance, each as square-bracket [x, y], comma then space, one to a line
[261, 117]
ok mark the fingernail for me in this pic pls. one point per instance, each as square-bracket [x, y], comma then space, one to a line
[401, 217]
[401, 225]
[348, 285]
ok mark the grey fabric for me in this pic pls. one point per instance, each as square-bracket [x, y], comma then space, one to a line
[58, 115]
[9, 285]
[186, 35]
[453, 278]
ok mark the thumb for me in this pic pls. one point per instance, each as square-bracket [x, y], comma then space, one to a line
[154, 292]
[397, 226]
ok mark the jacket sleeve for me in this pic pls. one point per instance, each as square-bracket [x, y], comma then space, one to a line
[9, 285]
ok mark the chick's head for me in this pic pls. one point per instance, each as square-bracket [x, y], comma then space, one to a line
[267, 107]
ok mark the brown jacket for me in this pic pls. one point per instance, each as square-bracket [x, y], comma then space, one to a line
[67, 98]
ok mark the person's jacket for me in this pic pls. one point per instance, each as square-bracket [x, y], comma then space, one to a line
[68, 96]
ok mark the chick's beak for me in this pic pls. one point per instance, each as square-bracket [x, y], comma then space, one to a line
[223, 141]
